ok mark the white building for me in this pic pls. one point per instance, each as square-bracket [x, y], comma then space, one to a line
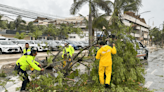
[141, 28]
[6, 18]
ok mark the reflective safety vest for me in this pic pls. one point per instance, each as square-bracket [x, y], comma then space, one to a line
[68, 51]
[27, 62]
[28, 50]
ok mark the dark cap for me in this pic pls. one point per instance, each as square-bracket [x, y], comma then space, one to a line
[102, 43]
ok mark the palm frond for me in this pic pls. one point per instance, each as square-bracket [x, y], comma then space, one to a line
[85, 19]
[93, 9]
[103, 5]
[76, 6]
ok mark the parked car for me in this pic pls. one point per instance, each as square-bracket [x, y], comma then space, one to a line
[142, 52]
[33, 44]
[59, 43]
[8, 47]
[85, 43]
[53, 45]
[42, 45]
[20, 43]
[80, 45]
[74, 45]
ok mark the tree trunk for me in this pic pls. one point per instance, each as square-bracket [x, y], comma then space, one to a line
[90, 25]
[93, 35]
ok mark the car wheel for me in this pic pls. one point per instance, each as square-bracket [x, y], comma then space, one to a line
[146, 57]
[0, 51]
[51, 49]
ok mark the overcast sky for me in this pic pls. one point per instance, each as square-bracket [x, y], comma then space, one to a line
[61, 8]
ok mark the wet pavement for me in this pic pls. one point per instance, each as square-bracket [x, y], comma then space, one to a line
[154, 78]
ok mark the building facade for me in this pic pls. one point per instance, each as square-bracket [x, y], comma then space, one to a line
[141, 29]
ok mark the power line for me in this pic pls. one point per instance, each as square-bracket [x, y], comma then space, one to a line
[28, 14]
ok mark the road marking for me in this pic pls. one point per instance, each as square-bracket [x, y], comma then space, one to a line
[148, 84]
[153, 71]
[163, 67]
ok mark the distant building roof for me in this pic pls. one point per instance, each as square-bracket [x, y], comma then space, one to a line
[135, 16]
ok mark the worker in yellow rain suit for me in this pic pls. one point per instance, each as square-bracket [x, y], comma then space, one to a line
[27, 62]
[68, 52]
[27, 48]
[105, 63]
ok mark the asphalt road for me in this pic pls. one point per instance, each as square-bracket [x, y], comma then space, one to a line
[14, 56]
[154, 78]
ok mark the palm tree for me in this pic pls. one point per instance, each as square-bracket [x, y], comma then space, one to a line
[122, 6]
[93, 7]
[11, 25]
[19, 23]
[99, 21]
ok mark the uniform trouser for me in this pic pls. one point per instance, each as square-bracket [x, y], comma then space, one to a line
[108, 71]
[25, 79]
[64, 63]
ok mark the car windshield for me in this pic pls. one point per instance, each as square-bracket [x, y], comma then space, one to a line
[6, 43]
[31, 42]
[21, 42]
[85, 42]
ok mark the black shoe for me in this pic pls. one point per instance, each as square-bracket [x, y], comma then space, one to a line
[107, 86]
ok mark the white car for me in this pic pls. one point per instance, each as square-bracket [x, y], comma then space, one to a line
[142, 52]
[21, 44]
[60, 43]
[42, 46]
[8, 47]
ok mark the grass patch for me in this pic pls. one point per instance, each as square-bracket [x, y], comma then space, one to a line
[2, 74]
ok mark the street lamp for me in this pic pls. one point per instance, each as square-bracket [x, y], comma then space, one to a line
[144, 12]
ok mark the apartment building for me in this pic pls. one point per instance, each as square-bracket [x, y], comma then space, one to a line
[141, 29]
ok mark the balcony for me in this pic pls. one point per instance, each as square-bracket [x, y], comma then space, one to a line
[134, 20]
[136, 35]
[145, 36]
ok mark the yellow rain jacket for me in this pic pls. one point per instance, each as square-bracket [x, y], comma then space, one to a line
[104, 54]
[27, 62]
[105, 63]
[28, 50]
[69, 49]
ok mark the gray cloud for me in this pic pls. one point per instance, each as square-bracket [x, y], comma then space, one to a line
[61, 8]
